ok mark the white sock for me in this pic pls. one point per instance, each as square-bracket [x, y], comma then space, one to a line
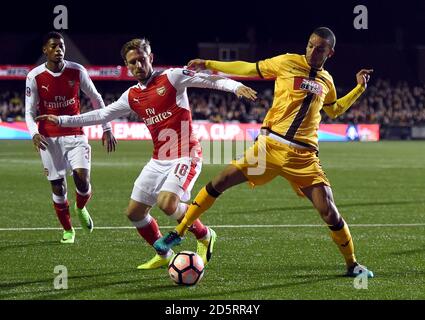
[207, 236]
[144, 222]
[169, 253]
[83, 193]
[180, 211]
[59, 199]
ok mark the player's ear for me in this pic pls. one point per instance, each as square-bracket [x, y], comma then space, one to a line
[151, 57]
[331, 53]
[44, 49]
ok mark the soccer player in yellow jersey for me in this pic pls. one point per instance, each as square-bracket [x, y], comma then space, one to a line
[288, 142]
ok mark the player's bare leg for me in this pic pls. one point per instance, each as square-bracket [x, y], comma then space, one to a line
[60, 203]
[83, 194]
[229, 177]
[170, 203]
[322, 198]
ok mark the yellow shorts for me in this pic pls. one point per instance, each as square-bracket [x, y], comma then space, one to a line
[268, 158]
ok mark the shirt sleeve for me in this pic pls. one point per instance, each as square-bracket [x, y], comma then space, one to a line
[31, 104]
[114, 110]
[272, 67]
[341, 105]
[330, 98]
[184, 78]
[240, 68]
[87, 86]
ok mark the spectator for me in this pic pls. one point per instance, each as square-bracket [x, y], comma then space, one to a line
[387, 104]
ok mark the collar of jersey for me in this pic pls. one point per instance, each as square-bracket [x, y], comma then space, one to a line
[305, 60]
[55, 74]
[153, 76]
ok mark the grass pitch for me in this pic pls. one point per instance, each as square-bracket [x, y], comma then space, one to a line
[271, 244]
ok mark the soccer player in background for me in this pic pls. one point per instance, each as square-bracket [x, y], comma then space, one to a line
[288, 140]
[160, 99]
[53, 88]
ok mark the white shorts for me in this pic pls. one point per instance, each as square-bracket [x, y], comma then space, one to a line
[64, 154]
[177, 176]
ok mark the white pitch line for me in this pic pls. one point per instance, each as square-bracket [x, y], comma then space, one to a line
[374, 225]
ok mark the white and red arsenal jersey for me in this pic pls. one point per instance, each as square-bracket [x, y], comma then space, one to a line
[163, 105]
[58, 94]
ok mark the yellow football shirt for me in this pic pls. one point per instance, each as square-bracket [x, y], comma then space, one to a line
[299, 94]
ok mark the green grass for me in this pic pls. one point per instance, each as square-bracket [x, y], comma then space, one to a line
[373, 183]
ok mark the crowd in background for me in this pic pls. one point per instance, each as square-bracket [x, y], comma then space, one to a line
[385, 103]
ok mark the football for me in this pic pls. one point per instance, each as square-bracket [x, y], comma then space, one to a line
[186, 268]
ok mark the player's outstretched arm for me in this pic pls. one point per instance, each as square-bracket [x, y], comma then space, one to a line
[48, 117]
[115, 110]
[246, 92]
[183, 78]
[341, 105]
[241, 68]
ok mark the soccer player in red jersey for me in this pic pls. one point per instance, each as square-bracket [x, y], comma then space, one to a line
[53, 88]
[160, 99]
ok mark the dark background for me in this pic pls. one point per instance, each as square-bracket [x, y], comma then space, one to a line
[175, 28]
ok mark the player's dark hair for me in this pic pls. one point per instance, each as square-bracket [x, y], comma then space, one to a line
[52, 35]
[134, 44]
[327, 34]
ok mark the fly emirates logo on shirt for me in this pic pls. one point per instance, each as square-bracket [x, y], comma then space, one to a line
[153, 118]
[59, 103]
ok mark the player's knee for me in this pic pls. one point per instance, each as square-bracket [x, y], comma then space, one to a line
[82, 181]
[131, 214]
[135, 214]
[228, 178]
[222, 182]
[328, 211]
[58, 187]
[167, 203]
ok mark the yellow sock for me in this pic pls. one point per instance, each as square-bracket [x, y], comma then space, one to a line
[203, 201]
[344, 241]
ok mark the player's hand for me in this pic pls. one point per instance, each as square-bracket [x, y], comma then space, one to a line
[109, 141]
[48, 117]
[196, 64]
[363, 76]
[39, 142]
[246, 92]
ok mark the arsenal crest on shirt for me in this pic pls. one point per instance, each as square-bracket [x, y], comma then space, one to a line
[71, 83]
[160, 91]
